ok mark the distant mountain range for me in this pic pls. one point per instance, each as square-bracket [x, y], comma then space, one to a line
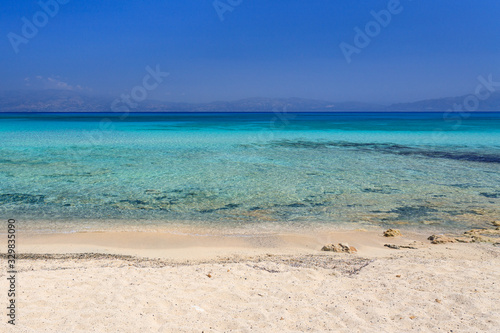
[71, 101]
[445, 104]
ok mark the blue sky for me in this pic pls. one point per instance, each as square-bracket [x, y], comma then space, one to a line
[267, 48]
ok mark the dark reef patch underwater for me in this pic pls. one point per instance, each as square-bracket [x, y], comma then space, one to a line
[389, 148]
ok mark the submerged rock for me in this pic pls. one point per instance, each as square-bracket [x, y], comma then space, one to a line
[392, 233]
[441, 239]
[483, 239]
[464, 239]
[484, 235]
[471, 236]
[474, 232]
[398, 247]
[340, 248]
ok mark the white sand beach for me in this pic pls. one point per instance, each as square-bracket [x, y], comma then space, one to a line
[227, 285]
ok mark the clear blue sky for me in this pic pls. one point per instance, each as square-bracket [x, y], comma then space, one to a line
[267, 48]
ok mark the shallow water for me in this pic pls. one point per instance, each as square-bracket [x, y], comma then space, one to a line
[73, 172]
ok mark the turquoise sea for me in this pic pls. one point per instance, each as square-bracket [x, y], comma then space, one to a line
[253, 171]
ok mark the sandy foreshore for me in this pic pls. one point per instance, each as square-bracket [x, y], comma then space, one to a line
[166, 282]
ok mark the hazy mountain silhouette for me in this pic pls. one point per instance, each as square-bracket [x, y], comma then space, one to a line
[73, 101]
